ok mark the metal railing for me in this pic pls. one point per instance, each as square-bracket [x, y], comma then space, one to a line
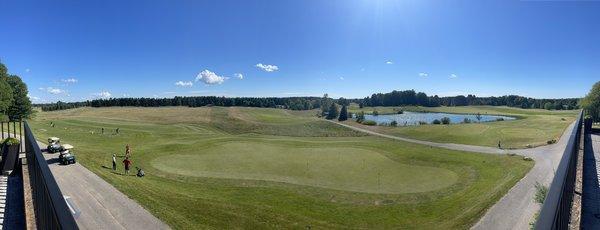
[556, 210]
[51, 210]
[9, 129]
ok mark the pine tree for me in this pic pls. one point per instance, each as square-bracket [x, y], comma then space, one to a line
[343, 114]
[333, 112]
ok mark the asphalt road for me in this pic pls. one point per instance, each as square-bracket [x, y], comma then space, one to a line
[517, 208]
[100, 205]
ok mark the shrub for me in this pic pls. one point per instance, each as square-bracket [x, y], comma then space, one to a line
[369, 122]
[445, 120]
[394, 123]
[540, 193]
[360, 117]
[551, 141]
[11, 141]
[422, 123]
[375, 113]
[436, 122]
[467, 120]
[500, 119]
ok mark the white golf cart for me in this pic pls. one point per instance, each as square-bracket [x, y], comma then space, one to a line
[66, 157]
[54, 145]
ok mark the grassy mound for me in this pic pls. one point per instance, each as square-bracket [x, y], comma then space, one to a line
[341, 168]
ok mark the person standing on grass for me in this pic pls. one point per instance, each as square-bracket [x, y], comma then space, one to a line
[127, 164]
[114, 159]
[127, 151]
[499, 146]
[102, 130]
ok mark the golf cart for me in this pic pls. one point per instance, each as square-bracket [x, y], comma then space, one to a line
[66, 156]
[54, 145]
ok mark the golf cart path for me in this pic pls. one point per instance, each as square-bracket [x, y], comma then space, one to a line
[516, 209]
[100, 205]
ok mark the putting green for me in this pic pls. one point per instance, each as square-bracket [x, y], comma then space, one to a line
[340, 168]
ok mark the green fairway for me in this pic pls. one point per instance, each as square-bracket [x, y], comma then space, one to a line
[534, 127]
[224, 168]
[342, 168]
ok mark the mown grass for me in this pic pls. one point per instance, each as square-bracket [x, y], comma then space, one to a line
[534, 127]
[211, 168]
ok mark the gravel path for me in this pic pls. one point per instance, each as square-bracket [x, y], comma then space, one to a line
[516, 209]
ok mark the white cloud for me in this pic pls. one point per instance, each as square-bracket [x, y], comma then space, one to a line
[452, 76]
[27, 70]
[126, 95]
[69, 80]
[389, 62]
[239, 76]
[103, 94]
[33, 98]
[53, 90]
[209, 77]
[268, 68]
[184, 83]
[423, 75]
[341, 78]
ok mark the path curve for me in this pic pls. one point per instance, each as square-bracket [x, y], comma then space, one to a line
[516, 209]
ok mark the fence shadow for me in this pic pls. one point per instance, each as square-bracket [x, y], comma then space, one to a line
[590, 210]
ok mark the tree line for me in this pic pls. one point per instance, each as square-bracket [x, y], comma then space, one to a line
[410, 97]
[394, 98]
[293, 103]
[14, 102]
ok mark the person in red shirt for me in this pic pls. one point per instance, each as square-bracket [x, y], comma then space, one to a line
[127, 164]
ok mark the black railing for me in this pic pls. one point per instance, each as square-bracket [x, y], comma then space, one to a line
[12, 129]
[50, 207]
[556, 210]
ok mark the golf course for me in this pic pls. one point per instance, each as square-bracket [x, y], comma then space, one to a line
[266, 168]
[531, 128]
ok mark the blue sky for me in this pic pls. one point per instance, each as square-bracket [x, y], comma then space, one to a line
[75, 50]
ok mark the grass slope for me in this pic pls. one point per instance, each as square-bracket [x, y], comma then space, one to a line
[533, 127]
[243, 168]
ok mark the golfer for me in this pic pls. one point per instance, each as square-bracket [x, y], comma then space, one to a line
[127, 164]
[114, 159]
[127, 151]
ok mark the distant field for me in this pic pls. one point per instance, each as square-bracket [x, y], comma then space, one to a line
[215, 167]
[533, 127]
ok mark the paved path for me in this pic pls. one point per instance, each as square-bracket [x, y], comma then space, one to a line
[516, 209]
[100, 205]
[590, 200]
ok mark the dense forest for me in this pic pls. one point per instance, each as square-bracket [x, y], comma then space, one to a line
[14, 102]
[394, 98]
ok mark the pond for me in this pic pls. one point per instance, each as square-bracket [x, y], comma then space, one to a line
[413, 118]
